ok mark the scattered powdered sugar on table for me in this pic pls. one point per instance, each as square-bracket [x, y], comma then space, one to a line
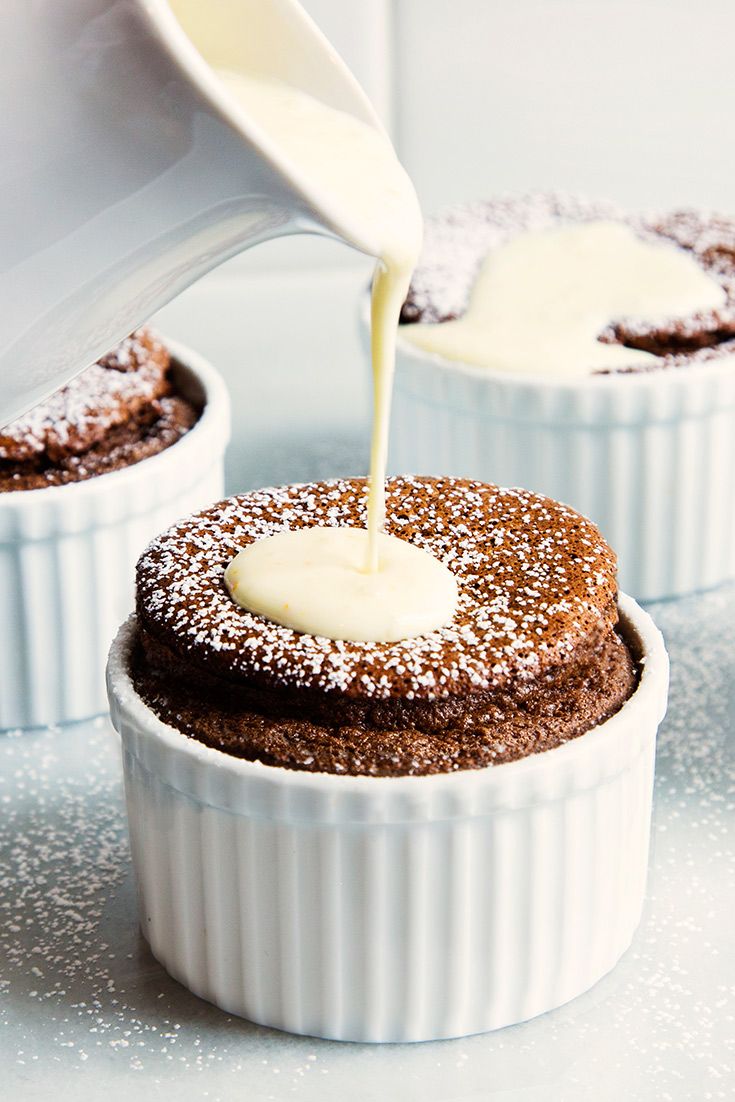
[63, 860]
[87, 1014]
[63, 855]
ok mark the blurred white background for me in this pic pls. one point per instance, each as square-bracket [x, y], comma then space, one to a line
[632, 100]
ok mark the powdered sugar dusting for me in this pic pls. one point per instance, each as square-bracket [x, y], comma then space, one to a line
[104, 395]
[534, 577]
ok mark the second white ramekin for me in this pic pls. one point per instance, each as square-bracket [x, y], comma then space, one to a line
[649, 457]
[68, 554]
[392, 909]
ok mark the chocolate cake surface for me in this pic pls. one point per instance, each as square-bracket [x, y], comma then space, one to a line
[531, 659]
[457, 241]
[117, 412]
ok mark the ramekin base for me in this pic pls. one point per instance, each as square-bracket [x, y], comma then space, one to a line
[392, 909]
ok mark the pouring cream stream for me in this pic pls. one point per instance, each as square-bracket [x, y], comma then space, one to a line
[347, 583]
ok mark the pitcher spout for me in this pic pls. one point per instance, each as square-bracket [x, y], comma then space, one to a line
[128, 171]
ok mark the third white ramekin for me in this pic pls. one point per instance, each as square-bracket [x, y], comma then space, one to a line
[649, 457]
[68, 554]
[392, 909]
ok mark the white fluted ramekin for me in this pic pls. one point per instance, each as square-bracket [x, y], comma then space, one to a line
[68, 554]
[649, 457]
[392, 909]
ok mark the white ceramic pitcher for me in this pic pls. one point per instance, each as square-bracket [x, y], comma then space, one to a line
[127, 171]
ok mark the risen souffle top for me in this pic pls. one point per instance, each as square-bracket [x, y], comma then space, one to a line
[532, 658]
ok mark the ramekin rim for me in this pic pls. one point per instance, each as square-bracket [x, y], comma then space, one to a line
[215, 411]
[653, 682]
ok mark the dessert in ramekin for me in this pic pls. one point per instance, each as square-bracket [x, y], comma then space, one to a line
[86, 480]
[391, 841]
[647, 450]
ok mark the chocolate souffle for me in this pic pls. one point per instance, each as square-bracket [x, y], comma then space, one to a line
[122, 409]
[457, 242]
[532, 658]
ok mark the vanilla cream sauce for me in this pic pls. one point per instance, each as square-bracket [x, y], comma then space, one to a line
[541, 301]
[347, 583]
